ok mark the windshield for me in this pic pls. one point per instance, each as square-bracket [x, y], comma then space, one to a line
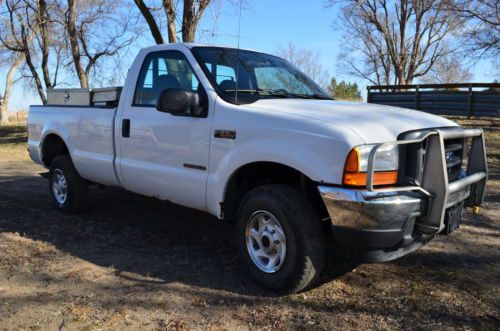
[245, 76]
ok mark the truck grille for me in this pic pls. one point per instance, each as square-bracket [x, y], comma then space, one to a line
[454, 158]
[413, 158]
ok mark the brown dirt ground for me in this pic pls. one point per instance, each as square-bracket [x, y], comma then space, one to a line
[136, 263]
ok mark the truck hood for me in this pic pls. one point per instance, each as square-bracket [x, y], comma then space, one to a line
[372, 123]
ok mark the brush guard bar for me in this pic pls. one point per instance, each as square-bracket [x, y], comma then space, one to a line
[434, 184]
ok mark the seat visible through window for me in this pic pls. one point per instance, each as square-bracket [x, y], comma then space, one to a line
[160, 71]
[228, 85]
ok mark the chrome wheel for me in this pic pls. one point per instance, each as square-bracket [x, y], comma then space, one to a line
[59, 186]
[265, 241]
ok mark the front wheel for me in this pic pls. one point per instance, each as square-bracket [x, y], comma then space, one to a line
[280, 238]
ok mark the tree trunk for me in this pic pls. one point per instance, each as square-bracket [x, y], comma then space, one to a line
[43, 20]
[3, 113]
[26, 40]
[188, 22]
[9, 82]
[169, 7]
[36, 78]
[150, 20]
[75, 47]
[193, 11]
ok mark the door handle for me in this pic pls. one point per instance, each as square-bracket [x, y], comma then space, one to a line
[125, 128]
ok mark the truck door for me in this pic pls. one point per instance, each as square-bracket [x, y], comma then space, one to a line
[160, 154]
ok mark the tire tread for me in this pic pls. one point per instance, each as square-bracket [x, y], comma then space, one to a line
[308, 232]
[77, 201]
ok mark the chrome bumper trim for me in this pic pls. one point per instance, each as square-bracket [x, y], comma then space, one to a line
[384, 210]
[365, 210]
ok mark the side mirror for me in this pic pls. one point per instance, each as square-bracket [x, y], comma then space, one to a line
[178, 102]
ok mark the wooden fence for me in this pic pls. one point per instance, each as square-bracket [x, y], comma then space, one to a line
[473, 99]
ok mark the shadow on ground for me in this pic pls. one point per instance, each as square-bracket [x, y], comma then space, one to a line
[145, 236]
[135, 234]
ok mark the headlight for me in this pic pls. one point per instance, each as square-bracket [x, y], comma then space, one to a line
[385, 166]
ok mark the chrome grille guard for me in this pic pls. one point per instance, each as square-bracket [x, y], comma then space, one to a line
[434, 184]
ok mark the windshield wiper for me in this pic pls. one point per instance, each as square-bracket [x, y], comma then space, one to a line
[283, 94]
[260, 91]
[311, 96]
[321, 97]
[299, 95]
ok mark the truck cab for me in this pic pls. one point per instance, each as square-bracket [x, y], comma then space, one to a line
[248, 138]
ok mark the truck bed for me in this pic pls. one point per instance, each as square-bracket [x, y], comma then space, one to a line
[87, 131]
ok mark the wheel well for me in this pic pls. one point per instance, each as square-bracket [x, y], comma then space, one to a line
[53, 146]
[257, 174]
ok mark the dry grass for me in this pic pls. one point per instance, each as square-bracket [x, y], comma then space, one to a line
[136, 263]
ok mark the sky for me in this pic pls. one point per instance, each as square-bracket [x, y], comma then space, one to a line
[265, 25]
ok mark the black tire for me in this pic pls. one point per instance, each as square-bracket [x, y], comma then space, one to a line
[77, 188]
[305, 243]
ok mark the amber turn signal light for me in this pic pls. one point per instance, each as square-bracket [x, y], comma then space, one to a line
[379, 178]
[353, 177]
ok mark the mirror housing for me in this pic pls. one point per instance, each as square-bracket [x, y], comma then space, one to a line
[179, 102]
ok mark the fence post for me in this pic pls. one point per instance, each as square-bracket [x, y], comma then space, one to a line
[368, 95]
[469, 102]
[416, 97]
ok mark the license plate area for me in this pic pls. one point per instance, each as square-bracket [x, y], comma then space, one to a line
[452, 218]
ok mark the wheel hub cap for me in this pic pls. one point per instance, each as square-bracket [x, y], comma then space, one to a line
[59, 186]
[266, 242]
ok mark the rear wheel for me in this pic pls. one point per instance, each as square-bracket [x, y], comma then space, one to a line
[280, 239]
[67, 189]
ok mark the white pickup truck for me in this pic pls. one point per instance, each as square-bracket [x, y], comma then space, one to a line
[247, 137]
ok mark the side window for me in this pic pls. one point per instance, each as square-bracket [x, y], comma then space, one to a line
[160, 71]
[225, 73]
[222, 72]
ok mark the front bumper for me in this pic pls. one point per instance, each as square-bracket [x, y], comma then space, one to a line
[368, 220]
[385, 224]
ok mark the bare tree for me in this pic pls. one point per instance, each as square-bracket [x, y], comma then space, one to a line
[307, 61]
[192, 11]
[28, 29]
[391, 41]
[13, 65]
[75, 45]
[170, 12]
[88, 41]
[481, 29]
[448, 70]
[147, 13]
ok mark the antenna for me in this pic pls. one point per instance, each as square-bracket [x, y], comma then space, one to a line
[238, 56]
